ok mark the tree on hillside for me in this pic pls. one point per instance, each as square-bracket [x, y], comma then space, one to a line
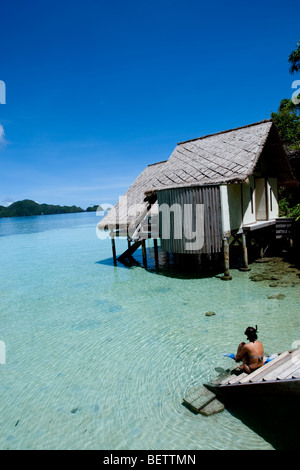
[294, 59]
[28, 207]
[287, 120]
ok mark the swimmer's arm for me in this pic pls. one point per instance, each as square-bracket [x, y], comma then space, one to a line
[241, 354]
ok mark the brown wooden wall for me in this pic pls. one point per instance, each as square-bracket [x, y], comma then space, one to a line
[209, 197]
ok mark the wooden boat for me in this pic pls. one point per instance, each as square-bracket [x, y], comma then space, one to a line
[281, 376]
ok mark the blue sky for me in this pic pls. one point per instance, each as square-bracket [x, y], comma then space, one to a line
[96, 90]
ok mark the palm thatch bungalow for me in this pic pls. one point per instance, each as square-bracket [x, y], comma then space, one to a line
[210, 189]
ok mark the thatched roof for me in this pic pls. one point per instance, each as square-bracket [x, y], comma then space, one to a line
[134, 204]
[226, 157]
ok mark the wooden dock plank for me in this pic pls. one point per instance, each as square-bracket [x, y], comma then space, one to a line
[193, 394]
[213, 407]
[283, 366]
[294, 375]
[264, 369]
[290, 370]
[198, 398]
[237, 378]
[273, 367]
[201, 401]
[227, 379]
[281, 375]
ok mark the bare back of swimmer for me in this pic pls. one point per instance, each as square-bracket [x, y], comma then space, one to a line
[252, 353]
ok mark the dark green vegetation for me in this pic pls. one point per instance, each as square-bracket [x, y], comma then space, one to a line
[287, 120]
[288, 207]
[93, 208]
[28, 207]
[294, 59]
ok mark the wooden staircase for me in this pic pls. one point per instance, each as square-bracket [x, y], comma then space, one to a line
[129, 252]
[147, 228]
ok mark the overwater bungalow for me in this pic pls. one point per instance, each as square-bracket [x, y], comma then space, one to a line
[212, 191]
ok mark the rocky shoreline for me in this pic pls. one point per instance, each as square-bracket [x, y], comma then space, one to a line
[276, 272]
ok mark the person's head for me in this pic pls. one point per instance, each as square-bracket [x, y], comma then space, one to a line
[251, 333]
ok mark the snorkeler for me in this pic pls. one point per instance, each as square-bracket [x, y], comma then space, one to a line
[252, 353]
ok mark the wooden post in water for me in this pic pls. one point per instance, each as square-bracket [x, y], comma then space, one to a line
[144, 253]
[155, 251]
[113, 245]
[245, 253]
[226, 276]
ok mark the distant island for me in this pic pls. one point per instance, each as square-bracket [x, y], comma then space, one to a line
[94, 208]
[28, 208]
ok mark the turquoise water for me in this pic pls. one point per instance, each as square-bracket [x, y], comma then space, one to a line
[99, 357]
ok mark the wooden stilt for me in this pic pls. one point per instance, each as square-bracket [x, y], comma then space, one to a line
[144, 253]
[113, 245]
[129, 244]
[226, 276]
[261, 251]
[245, 253]
[155, 251]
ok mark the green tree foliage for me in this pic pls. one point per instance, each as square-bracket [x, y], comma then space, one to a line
[94, 208]
[287, 120]
[286, 210]
[28, 207]
[294, 59]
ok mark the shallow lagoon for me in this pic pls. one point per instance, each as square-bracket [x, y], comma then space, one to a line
[99, 357]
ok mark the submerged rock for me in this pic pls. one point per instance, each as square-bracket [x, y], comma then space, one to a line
[280, 284]
[210, 314]
[276, 296]
[257, 278]
[263, 277]
[264, 260]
